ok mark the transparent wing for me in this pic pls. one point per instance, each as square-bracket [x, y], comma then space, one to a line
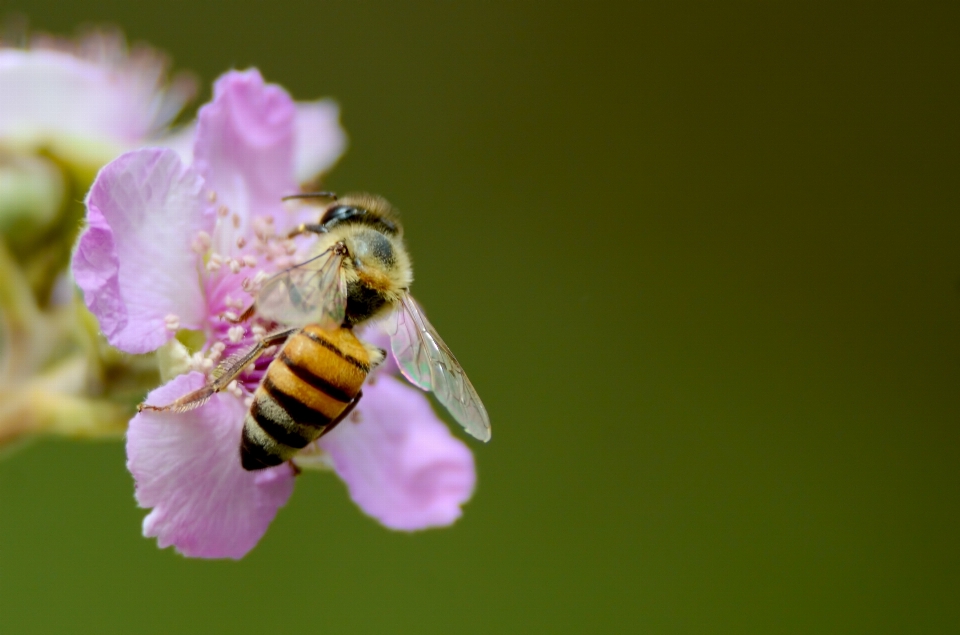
[313, 292]
[427, 362]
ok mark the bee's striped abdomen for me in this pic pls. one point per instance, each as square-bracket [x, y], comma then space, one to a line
[310, 383]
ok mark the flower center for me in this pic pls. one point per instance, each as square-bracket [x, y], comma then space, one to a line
[231, 284]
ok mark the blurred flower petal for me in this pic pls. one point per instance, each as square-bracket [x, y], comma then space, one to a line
[320, 138]
[181, 139]
[134, 261]
[187, 468]
[400, 461]
[89, 99]
[244, 149]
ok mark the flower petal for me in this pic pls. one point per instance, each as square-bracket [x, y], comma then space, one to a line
[88, 99]
[180, 139]
[400, 462]
[244, 149]
[134, 261]
[187, 468]
[320, 139]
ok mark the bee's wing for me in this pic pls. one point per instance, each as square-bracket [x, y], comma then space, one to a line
[427, 362]
[313, 292]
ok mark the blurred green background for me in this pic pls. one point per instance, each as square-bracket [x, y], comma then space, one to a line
[703, 265]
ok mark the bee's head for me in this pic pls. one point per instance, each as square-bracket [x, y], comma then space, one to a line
[364, 209]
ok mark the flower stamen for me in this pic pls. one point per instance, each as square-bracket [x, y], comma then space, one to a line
[201, 243]
[215, 262]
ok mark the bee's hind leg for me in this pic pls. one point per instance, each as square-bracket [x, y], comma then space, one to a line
[343, 415]
[225, 373]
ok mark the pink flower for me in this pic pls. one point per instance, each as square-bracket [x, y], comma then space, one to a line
[86, 100]
[171, 247]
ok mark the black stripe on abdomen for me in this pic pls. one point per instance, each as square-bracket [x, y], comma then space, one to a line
[300, 412]
[330, 346]
[254, 456]
[315, 381]
[283, 432]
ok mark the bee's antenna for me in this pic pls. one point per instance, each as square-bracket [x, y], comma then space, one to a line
[330, 195]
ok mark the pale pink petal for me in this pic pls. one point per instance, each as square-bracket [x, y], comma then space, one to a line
[244, 149]
[90, 96]
[187, 468]
[400, 461]
[180, 139]
[320, 139]
[96, 269]
[134, 261]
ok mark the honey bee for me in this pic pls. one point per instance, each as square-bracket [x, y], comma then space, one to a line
[360, 272]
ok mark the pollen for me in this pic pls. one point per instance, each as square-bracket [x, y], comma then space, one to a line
[234, 265]
[263, 227]
[236, 221]
[234, 388]
[235, 333]
[172, 322]
[215, 262]
[241, 242]
[223, 211]
[196, 361]
[212, 196]
[201, 243]
[214, 354]
[250, 260]
[253, 286]
[230, 316]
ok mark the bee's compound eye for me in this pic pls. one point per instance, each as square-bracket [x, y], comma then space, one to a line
[381, 249]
